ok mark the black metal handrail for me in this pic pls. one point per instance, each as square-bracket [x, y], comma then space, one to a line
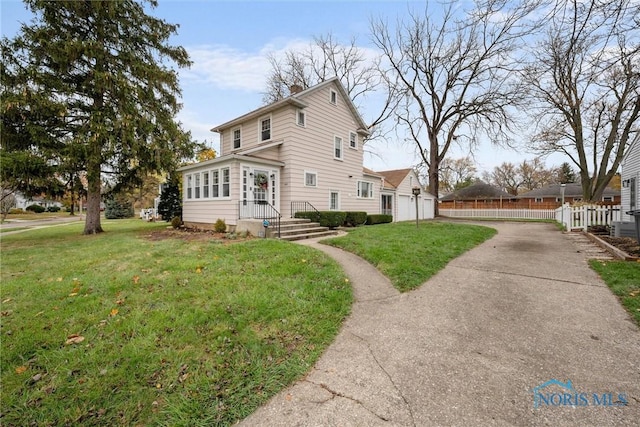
[260, 209]
[304, 207]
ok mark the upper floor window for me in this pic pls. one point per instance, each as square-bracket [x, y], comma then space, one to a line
[333, 96]
[337, 147]
[353, 140]
[237, 138]
[265, 129]
[302, 118]
[310, 179]
[365, 190]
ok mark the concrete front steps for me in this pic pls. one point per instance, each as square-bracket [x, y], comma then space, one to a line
[299, 229]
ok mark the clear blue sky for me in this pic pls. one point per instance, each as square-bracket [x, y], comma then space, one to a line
[228, 42]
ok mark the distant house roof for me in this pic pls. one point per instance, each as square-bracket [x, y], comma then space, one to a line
[393, 178]
[477, 191]
[570, 190]
[296, 100]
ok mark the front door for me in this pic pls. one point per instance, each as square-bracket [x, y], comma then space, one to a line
[259, 188]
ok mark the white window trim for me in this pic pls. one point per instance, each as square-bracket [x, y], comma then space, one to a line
[355, 135]
[304, 115]
[189, 187]
[337, 208]
[371, 187]
[270, 128]
[222, 182]
[335, 140]
[233, 139]
[333, 97]
[314, 173]
[206, 184]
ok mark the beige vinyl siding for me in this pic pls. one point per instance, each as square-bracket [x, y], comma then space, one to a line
[312, 148]
[207, 211]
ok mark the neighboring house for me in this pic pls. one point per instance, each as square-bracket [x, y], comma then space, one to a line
[23, 202]
[306, 148]
[630, 178]
[478, 195]
[397, 197]
[551, 196]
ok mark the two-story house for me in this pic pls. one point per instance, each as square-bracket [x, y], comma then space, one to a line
[307, 147]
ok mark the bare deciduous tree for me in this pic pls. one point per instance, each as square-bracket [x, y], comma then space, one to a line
[456, 173]
[326, 58]
[453, 73]
[584, 77]
[506, 177]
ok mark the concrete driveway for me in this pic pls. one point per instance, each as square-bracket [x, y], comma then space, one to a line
[518, 321]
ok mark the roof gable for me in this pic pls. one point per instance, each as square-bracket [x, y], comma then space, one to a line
[297, 100]
[393, 178]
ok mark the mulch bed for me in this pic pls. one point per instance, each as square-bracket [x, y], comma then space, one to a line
[192, 234]
[626, 244]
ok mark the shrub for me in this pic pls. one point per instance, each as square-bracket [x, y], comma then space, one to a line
[332, 219]
[355, 219]
[16, 211]
[170, 204]
[312, 215]
[118, 209]
[35, 208]
[379, 219]
[220, 226]
[176, 222]
[53, 209]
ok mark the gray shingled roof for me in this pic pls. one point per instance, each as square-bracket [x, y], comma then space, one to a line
[571, 190]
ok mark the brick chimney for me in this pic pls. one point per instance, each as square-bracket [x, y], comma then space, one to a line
[295, 88]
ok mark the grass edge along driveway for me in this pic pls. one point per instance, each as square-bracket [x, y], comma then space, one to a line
[121, 329]
[410, 255]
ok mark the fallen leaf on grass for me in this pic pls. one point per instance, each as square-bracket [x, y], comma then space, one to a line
[6, 300]
[21, 369]
[198, 269]
[74, 339]
[136, 279]
[114, 311]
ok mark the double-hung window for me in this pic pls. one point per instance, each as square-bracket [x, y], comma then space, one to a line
[301, 118]
[237, 138]
[353, 140]
[215, 183]
[205, 185]
[310, 179]
[226, 182]
[337, 147]
[265, 129]
[197, 186]
[365, 190]
[189, 186]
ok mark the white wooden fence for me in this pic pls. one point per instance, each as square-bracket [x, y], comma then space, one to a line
[500, 213]
[573, 217]
[581, 217]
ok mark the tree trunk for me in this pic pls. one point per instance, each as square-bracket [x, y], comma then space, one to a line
[92, 222]
[434, 175]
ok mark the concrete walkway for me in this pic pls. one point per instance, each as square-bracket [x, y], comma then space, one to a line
[471, 344]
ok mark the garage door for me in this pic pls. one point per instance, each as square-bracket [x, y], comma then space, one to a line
[405, 213]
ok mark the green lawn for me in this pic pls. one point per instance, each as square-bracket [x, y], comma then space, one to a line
[407, 255]
[623, 277]
[125, 329]
[118, 329]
